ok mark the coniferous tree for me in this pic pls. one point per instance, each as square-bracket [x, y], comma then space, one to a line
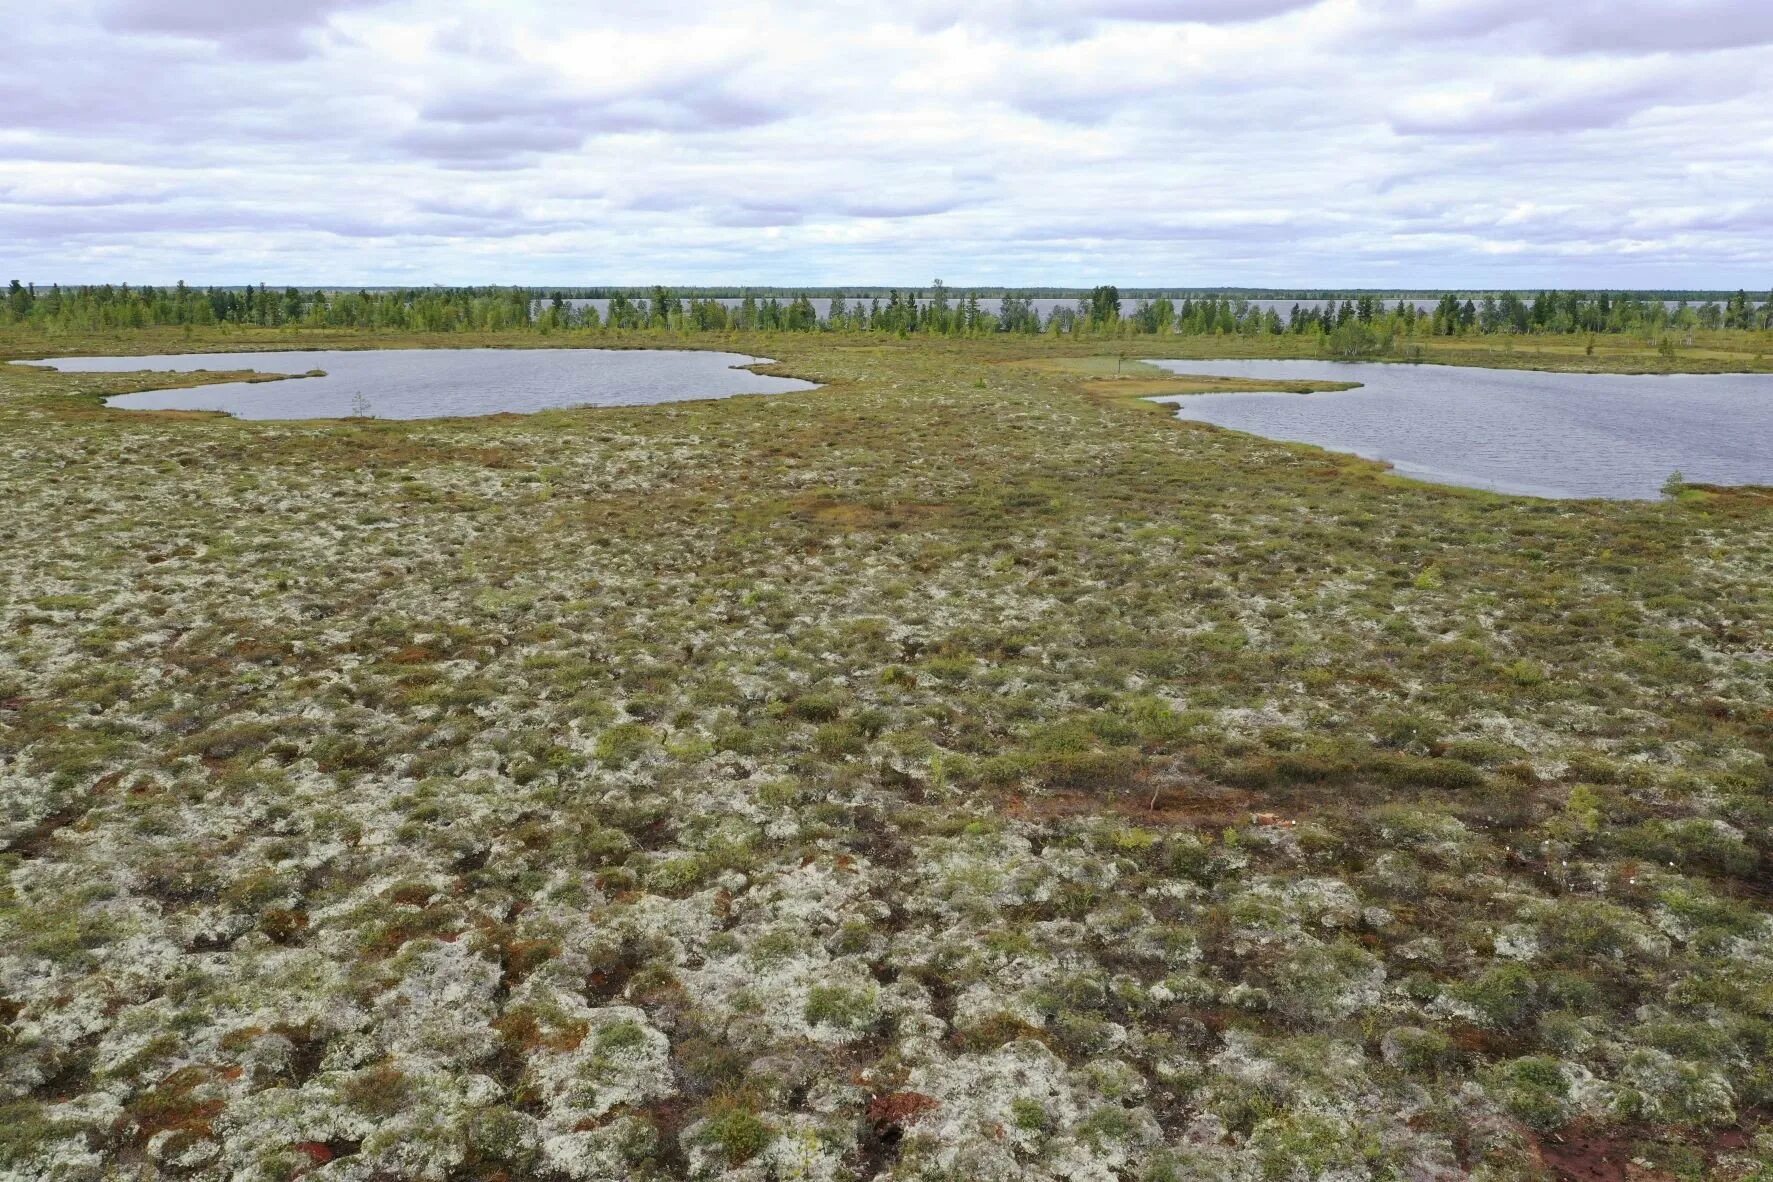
[1103, 306]
[19, 301]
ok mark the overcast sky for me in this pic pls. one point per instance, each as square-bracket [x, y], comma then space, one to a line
[1617, 143]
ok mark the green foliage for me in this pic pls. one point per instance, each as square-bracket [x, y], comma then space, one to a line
[1535, 1091]
[1352, 341]
[739, 1134]
[835, 740]
[1419, 1051]
[844, 1007]
[617, 1037]
[1029, 1115]
[657, 310]
[1696, 845]
[1311, 1146]
[622, 744]
[1507, 995]
[26, 1127]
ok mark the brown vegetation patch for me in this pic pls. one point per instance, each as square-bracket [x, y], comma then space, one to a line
[856, 515]
[1746, 496]
[35, 840]
[890, 1115]
[171, 1105]
[1181, 805]
[522, 1031]
[1579, 1155]
[900, 1108]
[283, 926]
[321, 1152]
[1193, 384]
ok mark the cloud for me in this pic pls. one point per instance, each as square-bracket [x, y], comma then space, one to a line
[493, 143]
[693, 107]
[254, 28]
[511, 112]
[886, 207]
[1587, 26]
[1073, 18]
[1579, 97]
[1193, 11]
[747, 215]
[1311, 142]
[40, 185]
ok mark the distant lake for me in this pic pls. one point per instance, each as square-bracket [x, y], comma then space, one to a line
[1516, 431]
[438, 383]
[1043, 305]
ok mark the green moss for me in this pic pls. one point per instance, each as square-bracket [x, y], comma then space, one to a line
[838, 739]
[1507, 995]
[738, 1134]
[841, 1006]
[617, 1037]
[1535, 1091]
[27, 1128]
[622, 744]
[1303, 1144]
[1030, 1116]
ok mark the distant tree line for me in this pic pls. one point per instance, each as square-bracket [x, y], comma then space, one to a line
[1174, 294]
[431, 309]
[1580, 312]
[1351, 325]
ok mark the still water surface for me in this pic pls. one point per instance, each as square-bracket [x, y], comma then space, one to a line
[1541, 434]
[437, 383]
[1043, 305]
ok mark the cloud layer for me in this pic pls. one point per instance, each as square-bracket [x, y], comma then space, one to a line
[1179, 142]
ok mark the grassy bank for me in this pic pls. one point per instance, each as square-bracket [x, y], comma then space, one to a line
[954, 772]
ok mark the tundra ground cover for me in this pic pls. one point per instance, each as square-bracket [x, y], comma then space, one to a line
[957, 772]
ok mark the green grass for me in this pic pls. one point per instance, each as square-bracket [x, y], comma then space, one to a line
[961, 729]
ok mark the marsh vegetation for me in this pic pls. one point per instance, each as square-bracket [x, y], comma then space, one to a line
[965, 770]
